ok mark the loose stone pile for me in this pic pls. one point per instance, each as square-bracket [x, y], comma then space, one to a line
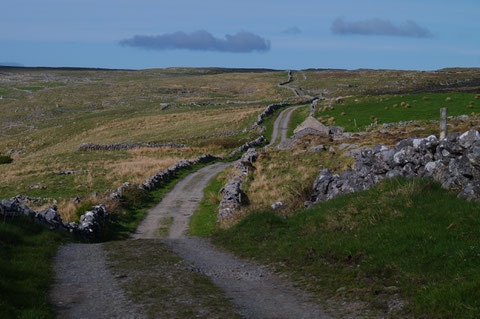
[232, 195]
[453, 161]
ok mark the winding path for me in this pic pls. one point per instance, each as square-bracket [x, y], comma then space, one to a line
[280, 127]
[85, 287]
[256, 291]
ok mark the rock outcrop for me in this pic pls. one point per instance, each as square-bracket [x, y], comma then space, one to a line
[454, 162]
[232, 194]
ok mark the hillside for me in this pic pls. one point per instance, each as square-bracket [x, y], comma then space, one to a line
[404, 248]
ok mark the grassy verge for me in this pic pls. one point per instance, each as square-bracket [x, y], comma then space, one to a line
[26, 257]
[204, 219]
[395, 108]
[136, 206]
[297, 117]
[163, 283]
[409, 238]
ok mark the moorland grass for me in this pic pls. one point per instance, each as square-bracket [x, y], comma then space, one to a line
[409, 235]
[26, 268]
[391, 108]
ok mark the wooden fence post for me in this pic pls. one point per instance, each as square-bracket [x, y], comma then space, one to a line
[443, 123]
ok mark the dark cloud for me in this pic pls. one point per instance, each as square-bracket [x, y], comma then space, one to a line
[11, 64]
[292, 30]
[241, 42]
[380, 27]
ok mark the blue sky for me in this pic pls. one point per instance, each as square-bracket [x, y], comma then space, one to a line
[396, 34]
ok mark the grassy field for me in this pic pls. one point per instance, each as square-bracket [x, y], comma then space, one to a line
[407, 238]
[26, 254]
[374, 82]
[48, 113]
[364, 111]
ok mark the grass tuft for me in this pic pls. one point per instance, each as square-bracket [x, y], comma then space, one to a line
[26, 272]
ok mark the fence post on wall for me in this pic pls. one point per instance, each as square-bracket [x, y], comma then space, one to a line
[443, 123]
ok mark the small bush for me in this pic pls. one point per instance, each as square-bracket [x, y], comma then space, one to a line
[343, 113]
[82, 208]
[386, 107]
[403, 104]
[407, 106]
[448, 99]
[5, 159]
[133, 196]
[425, 98]
[469, 106]
[477, 96]
[395, 106]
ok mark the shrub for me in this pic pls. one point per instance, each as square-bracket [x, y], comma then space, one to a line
[469, 106]
[386, 107]
[425, 98]
[407, 106]
[448, 99]
[5, 159]
[403, 104]
[133, 196]
[82, 208]
[477, 96]
[395, 106]
[343, 113]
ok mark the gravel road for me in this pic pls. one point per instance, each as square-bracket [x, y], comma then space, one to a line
[257, 292]
[85, 288]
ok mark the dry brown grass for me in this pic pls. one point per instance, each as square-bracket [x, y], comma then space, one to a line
[139, 168]
[285, 176]
[67, 209]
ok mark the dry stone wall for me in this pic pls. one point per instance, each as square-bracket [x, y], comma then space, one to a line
[453, 161]
[125, 146]
[232, 194]
[90, 228]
